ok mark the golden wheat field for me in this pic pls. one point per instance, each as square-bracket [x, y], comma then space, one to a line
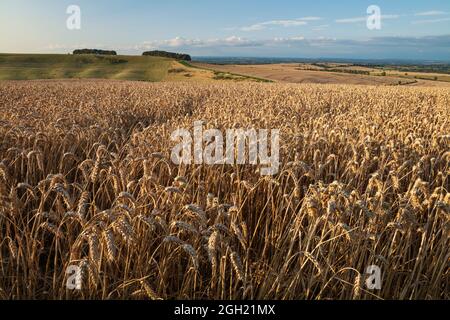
[86, 180]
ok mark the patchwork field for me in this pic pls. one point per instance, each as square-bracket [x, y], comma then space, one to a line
[86, 181]
[306, 73]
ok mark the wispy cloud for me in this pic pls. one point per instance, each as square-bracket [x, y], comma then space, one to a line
[430, 21]
[351, 20]
[430, 13]
[180, 42]
[280, 23]
[58, 46]
[363, 19]
[234, 41]
[376, 47]
[321, 27]
[310, 18]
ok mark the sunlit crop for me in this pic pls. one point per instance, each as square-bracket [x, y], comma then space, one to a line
[86, 180]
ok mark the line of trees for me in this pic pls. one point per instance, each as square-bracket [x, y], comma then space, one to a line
[165, 54]
[95, 51]
[155, 53]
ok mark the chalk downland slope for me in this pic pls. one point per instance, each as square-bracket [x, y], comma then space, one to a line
[57, 66]
[89, 66]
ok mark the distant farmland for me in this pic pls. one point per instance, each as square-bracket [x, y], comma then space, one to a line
[333, 74]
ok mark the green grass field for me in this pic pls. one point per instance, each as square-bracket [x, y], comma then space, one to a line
[58, 66]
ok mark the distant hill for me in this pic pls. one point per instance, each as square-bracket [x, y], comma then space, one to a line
[166, 54]
[95, 51]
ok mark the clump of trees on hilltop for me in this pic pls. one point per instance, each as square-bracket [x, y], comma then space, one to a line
[155, 53]
[165, 54]
[95, 51]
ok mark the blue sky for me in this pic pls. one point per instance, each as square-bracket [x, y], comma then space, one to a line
[284, 28]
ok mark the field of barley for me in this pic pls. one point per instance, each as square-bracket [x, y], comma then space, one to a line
[86, 180]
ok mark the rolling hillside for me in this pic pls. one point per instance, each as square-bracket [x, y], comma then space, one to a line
[57, 66]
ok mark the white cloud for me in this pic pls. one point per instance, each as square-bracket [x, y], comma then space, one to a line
[390, 16]
[280, 23]
[235, 41]
[321, 27]
[287, 40]
[295, 45]
[430, 13]
[363, 19]
[430, 21]
[351, 20]
[396, 16]
[180, 42]
[58, 46]
[310, 18]
[254, 27]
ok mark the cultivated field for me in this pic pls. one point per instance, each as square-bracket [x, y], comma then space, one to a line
[86, 180]
[306, 73]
